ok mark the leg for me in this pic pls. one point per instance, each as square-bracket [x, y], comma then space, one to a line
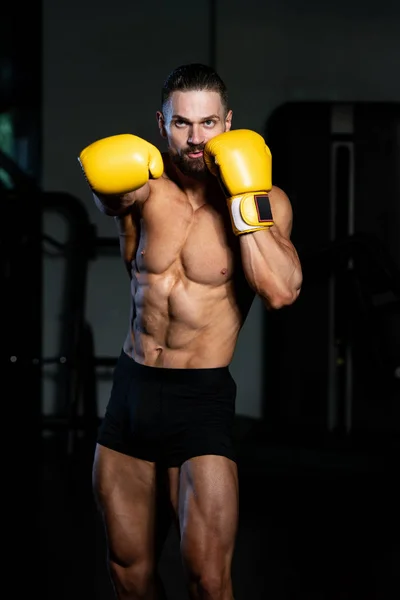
[173, 484]
[125, 490]
[208, 515]
[164, 514]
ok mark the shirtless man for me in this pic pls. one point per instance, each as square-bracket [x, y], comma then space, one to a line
[202, 230]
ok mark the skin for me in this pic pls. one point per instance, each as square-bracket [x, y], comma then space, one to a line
[192, 285]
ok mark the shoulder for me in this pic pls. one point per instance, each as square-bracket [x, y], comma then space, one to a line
[279, 197]
[281, 208]
[279, 200]
[163, 186]
[166, 181]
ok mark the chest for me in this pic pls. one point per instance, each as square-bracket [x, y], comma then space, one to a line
[198, 244]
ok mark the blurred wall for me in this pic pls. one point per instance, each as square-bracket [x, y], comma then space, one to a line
[103, 67]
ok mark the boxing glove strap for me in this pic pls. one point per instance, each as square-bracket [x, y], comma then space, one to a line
[250, 212]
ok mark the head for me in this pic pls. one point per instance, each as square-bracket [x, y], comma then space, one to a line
[194, 109]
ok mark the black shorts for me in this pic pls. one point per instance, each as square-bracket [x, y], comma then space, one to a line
[169, 415]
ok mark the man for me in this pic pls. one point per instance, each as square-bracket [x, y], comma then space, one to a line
[202, 230]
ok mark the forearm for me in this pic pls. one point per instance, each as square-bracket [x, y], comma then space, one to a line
[114, 206]
[271, 266]
[117, 205]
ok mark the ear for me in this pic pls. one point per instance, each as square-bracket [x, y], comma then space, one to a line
[228, 120]
[161, 124]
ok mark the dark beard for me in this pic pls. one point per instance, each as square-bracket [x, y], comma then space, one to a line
[191, 167]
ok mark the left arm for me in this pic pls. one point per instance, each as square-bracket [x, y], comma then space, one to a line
[270, 261]
[261, 214]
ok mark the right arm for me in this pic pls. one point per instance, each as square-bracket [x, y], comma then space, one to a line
[128, 234]
[119, 205]
[117, 169]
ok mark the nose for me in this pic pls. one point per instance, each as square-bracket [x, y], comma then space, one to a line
[195, 135]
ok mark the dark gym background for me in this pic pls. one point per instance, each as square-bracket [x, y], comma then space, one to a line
[318, 417]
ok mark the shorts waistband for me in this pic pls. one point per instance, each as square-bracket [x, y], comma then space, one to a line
[160, 374]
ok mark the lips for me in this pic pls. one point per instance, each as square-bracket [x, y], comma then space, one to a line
[195, 153]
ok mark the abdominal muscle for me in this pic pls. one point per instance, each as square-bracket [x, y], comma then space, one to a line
[182, 324]
[185, 308]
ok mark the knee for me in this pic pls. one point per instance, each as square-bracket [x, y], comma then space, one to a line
[213, 585]
[211, 582]
[135, 580]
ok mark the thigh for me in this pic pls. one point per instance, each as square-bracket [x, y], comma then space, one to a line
[208, 510]
[125, 491]
[173, 489]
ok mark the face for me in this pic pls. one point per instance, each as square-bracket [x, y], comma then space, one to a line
[188, 121]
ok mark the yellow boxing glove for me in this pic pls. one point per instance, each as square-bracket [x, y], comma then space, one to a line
[243, 163]
[120, 164]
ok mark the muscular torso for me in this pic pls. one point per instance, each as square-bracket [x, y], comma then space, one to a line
[189, 294]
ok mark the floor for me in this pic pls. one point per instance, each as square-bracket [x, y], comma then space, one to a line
[317, 522]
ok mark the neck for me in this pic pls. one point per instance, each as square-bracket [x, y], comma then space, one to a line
[200, 190]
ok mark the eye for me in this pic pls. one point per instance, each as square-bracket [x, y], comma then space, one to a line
[180, 124]
[209, 123]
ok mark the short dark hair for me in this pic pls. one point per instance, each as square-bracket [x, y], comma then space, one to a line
[194, 76]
